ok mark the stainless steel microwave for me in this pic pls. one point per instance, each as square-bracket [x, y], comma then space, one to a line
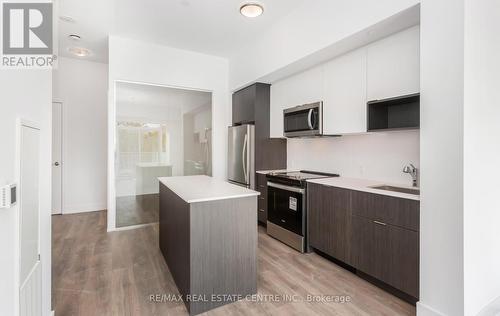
[303, 120]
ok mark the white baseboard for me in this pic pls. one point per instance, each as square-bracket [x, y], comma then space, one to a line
[425, 310]
[131, 227]
[73, 209]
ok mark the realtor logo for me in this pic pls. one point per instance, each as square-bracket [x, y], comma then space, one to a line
[27, 29]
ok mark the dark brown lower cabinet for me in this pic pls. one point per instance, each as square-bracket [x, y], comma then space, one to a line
[375, 234]
[329, 220]
[262, 200]
[387, 253]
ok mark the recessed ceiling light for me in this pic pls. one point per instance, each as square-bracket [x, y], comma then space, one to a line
[74, 37]
[79, 51]
[67, 18]
[251, 10]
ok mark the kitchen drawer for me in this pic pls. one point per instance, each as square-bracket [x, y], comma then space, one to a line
[261, 182]
[262, 199]
[262, 210]
[395, 211]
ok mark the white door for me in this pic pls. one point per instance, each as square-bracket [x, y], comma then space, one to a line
[30, 291]
[56, 158]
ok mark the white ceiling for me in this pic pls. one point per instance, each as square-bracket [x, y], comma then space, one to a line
[212, 27]
[93, 22]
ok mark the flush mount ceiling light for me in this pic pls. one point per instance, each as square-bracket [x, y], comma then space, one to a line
[79, 51]
[251, 10]
[67, 18]
[74, 37]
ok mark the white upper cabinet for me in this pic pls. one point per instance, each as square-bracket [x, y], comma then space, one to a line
[302, 88]
[387, 68]
[344, 91]
[393, 67]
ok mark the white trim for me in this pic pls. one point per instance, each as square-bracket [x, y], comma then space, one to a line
[162, 85]
[38, 263]
[111, 198]
[20, 123]
[425, 310]
[117, 229]
[27, 123]
[83, 208]
[61, 163]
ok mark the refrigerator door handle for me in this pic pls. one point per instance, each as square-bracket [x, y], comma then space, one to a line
[243, 154]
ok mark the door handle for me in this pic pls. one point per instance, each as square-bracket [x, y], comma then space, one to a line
[380, 223]
[309, 119]
[243, 160]
[56, 164]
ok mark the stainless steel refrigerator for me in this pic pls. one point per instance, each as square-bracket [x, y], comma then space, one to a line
[241, 155]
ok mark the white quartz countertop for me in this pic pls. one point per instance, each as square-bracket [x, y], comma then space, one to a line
[365, 186]
[193, 189]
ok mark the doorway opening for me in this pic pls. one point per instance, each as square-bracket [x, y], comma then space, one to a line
[160, 132]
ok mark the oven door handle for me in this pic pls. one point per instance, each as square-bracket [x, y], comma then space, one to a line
[286, 187]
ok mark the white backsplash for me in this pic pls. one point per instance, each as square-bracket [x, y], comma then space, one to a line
[376, 156]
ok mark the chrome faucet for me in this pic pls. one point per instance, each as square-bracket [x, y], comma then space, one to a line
[413, 172]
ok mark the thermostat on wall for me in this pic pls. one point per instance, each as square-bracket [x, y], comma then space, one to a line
[8, 195]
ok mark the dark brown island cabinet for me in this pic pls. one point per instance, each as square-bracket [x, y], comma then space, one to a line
[208, 238]
[376, 235]
[251, 105]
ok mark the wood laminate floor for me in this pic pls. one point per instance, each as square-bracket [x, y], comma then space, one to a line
[99, 273]
[136, 210]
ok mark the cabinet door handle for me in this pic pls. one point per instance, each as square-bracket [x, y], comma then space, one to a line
[261, 210]
[260, 197]
[380, 223]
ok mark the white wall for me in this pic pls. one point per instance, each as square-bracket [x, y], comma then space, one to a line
[82, 88]
[310, 28]
[481, 155]
[137, 61]
[197, 149]
[377, 156]
[171, 116]
[25, 94]
[441, 158]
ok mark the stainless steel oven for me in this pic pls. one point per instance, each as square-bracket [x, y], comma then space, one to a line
[286, 214]
[303, 120]
[287, 206]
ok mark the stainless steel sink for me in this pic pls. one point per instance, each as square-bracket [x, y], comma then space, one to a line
[397, 189]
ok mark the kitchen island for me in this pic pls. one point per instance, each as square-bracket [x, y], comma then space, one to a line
[208, 237]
